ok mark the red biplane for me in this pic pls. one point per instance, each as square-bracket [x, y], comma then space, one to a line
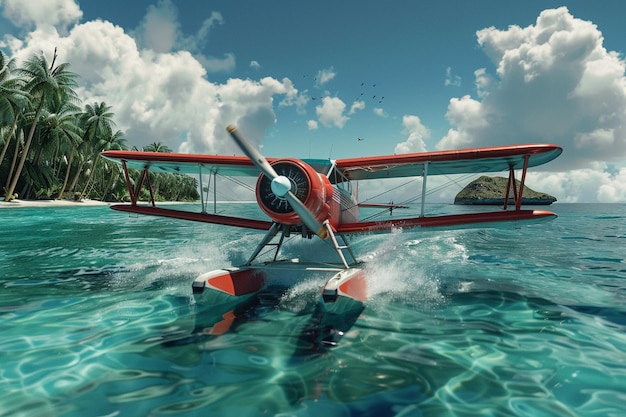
[315, 197]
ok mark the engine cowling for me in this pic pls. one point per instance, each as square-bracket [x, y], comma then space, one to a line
[310, 187]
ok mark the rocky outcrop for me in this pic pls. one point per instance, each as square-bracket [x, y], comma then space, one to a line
[491, 191]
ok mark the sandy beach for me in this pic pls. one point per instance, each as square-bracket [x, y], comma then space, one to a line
[17, 203]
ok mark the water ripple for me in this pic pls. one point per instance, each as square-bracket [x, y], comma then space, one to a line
[488, 322]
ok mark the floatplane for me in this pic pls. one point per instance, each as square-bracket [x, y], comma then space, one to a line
[315, 197]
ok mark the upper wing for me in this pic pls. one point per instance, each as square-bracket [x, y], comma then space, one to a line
[182, 163]
[477, 160]
[185, 163]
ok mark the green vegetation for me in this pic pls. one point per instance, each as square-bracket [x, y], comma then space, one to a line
[491, 191]
[50, 146]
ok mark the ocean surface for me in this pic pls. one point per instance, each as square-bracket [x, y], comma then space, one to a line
[97, 318]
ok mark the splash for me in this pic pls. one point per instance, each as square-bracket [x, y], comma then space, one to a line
[300, 297]
[396, 275]
[171, 268]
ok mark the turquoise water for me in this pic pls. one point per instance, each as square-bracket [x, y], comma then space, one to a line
[97, 318]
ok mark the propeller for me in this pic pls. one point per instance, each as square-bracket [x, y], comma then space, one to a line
[281, 185]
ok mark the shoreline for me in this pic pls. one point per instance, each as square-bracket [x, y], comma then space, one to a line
[17, 203]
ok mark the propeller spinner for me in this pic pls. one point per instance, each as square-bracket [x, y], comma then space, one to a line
[285, 187]
[291, 177]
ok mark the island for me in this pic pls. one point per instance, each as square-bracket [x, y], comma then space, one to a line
[491, 191]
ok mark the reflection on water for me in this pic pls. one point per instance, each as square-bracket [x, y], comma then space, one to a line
[506, 322]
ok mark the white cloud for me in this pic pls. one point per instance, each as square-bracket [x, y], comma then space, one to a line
[160, 27]
[208, 24]
[312, 125]
[294, 98]
[330, 112]
[417, 133]
[160, 31]
[586, 185]
[452, 80]
[614, 190]
[164, 97]
[555, 82]
[255, 65]
[325, 75]
[380, 112]
[214, 64]
[356, 106]
[30, 14]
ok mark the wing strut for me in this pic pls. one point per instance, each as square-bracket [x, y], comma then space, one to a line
[512, 186]
[286, 230]
[518, 203]
[214, 192]
[204, 199]
[339, 249]
[266, 242]
[203, 204]
[134, 194]
[424, 177]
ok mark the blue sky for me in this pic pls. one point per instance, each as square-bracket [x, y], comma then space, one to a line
[308, 79]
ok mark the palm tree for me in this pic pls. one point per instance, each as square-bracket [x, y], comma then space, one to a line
[97, 122]
[24, 121]
[62, 130]
[12, 101]
[157, 178]
[45, 84]
[114, 141]
[19, 138]
[157, 147]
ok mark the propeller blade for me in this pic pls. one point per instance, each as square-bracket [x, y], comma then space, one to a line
[254, 155]
[259, 160]
[307, 218]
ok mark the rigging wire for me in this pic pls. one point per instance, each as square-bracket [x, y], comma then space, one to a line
[418, 197]
[408, 201]
[238, 182]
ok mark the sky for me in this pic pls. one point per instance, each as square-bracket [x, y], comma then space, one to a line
[341, 79]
